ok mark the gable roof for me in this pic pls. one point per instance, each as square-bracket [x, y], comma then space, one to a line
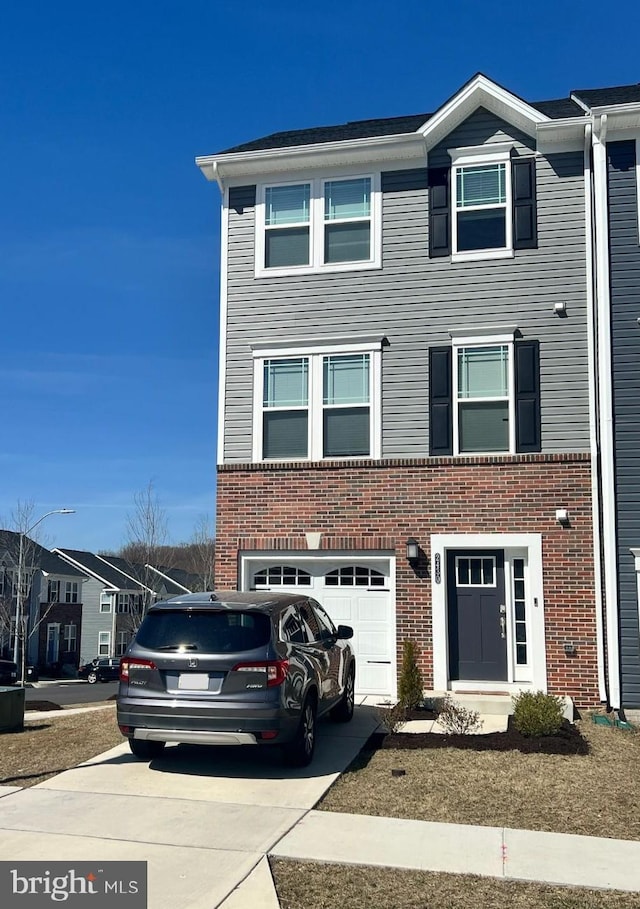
[35, 555]
[97, 568]
[554, 109]
[601, 97]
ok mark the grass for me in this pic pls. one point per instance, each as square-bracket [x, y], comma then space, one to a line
[317, 886]
[49, 746]
[595, 795]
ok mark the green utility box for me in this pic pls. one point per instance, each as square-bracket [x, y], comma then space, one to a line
[11, 709]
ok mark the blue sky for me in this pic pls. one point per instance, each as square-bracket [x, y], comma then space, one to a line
[109, 234]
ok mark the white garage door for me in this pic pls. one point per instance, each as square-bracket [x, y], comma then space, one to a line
[355, 593]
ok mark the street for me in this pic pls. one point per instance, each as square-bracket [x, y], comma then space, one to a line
[72, 693]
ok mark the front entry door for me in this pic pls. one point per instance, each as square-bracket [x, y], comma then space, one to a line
[477, 614]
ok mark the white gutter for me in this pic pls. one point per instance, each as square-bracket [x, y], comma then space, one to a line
[605, 401]
[593, 413]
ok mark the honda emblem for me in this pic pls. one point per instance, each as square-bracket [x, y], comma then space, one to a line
[193, 663]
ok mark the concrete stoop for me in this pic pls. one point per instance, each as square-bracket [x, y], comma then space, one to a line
[486, 703]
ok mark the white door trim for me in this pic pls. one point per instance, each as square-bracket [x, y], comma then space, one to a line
[440, 544]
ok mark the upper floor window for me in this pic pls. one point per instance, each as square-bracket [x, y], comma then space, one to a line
[71, 591]
[53, 591]
[484, 399]
[484, 394]
[317, 405]
[318, 225]
[484, 205]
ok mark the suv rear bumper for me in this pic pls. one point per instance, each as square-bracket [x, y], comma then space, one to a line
[192, 723]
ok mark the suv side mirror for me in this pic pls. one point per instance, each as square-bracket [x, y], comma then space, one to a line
[345, 632]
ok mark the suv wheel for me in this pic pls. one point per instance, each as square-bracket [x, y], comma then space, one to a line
[343, 711]
[299, 752]
[146, 750]
[92, 678]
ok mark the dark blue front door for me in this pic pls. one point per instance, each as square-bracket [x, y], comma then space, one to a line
[477, 615]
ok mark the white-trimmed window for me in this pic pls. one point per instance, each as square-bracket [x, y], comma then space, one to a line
[328, 224]
[70, 638]
[483, 395]
[104, 643]
[312, 403]
[53, 591]
[71, 589]
[481, 190]
[122, 642]
[105, 602]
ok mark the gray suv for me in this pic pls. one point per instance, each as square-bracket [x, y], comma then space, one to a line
[235, 669]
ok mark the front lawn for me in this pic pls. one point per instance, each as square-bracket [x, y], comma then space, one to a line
[316, 886]
[595, 795]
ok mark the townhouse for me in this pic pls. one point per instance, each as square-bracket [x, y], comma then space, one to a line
[413, 386]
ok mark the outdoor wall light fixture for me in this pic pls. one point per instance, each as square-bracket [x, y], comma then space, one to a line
[562, 517]
[560, 308]
[413, 550]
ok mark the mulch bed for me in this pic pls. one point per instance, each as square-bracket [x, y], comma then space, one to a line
[567, 741]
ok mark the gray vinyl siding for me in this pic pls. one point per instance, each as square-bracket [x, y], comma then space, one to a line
[93, 621]
[414, 300]
[625, 310]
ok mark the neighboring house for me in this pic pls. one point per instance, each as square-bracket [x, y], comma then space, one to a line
[109, 597]
[51, 601]
[113, 592]
[407, 354]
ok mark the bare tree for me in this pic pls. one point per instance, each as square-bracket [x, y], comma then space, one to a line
[202, 551]
[147, 532]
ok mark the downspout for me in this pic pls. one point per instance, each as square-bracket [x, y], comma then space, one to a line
[605, 402]
[593, 412]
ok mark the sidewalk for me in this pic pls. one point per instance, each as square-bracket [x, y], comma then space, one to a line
[206, 822]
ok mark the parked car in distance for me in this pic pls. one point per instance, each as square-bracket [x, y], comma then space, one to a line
[229, 668]
[8, 672]
[100, 669]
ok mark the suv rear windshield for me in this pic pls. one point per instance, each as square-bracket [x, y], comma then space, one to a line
[207, 632]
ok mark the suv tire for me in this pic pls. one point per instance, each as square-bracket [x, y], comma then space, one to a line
[299, 752]
[343, 711]
[146, 750]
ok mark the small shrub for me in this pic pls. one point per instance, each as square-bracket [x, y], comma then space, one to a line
[536, 713]
[392, 716]
[410, 690]
[456, 719]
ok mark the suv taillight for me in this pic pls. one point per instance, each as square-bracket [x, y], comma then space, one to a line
[276, 670]
[132, 663]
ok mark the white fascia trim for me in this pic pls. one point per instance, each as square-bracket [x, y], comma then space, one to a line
[593, 413]
[562, 135]
[302, 346]
[167, 578]
[532, 542]
[605, 402]
[82, 567]
[498, 151]
[481, 92]
[222, 344]
[410, 146]
[576, 100]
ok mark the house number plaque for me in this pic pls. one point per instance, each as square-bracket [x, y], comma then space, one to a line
[437, 564]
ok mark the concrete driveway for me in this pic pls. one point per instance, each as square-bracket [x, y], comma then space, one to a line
[202, 818]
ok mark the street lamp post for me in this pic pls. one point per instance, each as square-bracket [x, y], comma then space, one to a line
[16, 637]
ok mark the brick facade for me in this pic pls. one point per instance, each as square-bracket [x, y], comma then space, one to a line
[378, 505]
[63, 614]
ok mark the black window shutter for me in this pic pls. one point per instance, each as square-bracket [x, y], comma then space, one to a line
[523, 180]
[527, 362]
[439, 211]
[440, 401]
